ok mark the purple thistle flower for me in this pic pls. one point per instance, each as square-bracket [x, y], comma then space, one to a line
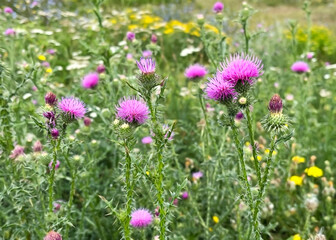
[51, 51]
[50, 99]
[147, 53]
[8, 10]
[275, 104]
[90, 80]
[310, 55]
[218, 89]
[141, 218]
[73, 107]
[57, 165]
[37, 146]
[218, 7]
[17, 151]
[239, 116]
[129, 56]
[57, 206]
[195, 71]
[300, 67]
[146, 65]
[132, 110]
[154, 38]
[51, 118]
[46, 64]
[100, 68]
[147, 140]
[130, 36]
[53, 236]
[185, 195]
[87, 121]
[54, 133]
[241, 67]
[9, 32]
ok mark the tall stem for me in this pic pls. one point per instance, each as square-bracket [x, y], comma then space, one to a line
[72, 193]
[246, 37]
[242, 164]
[129, 190]
[55, 145]
[263, 186]
[159, 176]
[254, 150]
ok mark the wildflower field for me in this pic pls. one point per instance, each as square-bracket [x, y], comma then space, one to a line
[181, 120]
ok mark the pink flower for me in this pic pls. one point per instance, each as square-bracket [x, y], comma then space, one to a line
[8, 10]
[300, 67]
[147, 140]
[197, 175]
[57, 206]
[72, 107]
[9, 32]
[90, 80]
[241, 68]
[57, 165]
[141, 218]
[185, 195]
[87, 121]
[146, 65]
[218, 7]
[51, 51]
[219, 89]
[154, 38]
[310, 55]
[132, 110]
[195, 71]
[239, 116]
[53, 236]
[37, 146]
[100, 68]
[147, 53]
[130, 36]
[45, 64]
[17, 151]
[129, 56]
[54, 133]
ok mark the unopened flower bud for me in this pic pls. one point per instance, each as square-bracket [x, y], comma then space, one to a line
[311, 203]
[37, 146]
[154, 38]
[275, 104]
[54, 133]
[87, 121]
[50, 99]
[242, 100]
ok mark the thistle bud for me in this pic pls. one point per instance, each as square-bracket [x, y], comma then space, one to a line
[275, 104]
[311, 202]
[154, 38]
[50, 99]
[87, 121]
[37, 146]
[54, 133]
[53, 236]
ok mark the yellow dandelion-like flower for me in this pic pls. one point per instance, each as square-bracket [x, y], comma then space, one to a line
[297, 237]
[297, 180]
[215, 219]
[314, 172]
[247, 144]
[267, 152]
[147, 173]
[298, 159]
[42, 58]
[48, 70]
[132, 27]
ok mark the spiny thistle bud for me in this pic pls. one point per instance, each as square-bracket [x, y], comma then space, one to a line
[275, 121]
[53, 236]
[54, 133]
[50, 99]
[275, 104]
[148, 79]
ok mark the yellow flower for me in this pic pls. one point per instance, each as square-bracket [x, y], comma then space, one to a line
[296, 179]
[48, 70]
[168, 30]
[298, 159]
[147, 173]
[314, 172]
[247, 144]
[258, 157]
[211, 28]
[132, 27]
[210, 229]
[215, 219]
[267, 152]
[297, 237]
[42, 58]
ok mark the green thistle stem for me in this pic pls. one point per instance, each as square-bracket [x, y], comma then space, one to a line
[55, 145]
[72, 193]
[263, 186]
[254, 150]
[242, 163]
[129, 190]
